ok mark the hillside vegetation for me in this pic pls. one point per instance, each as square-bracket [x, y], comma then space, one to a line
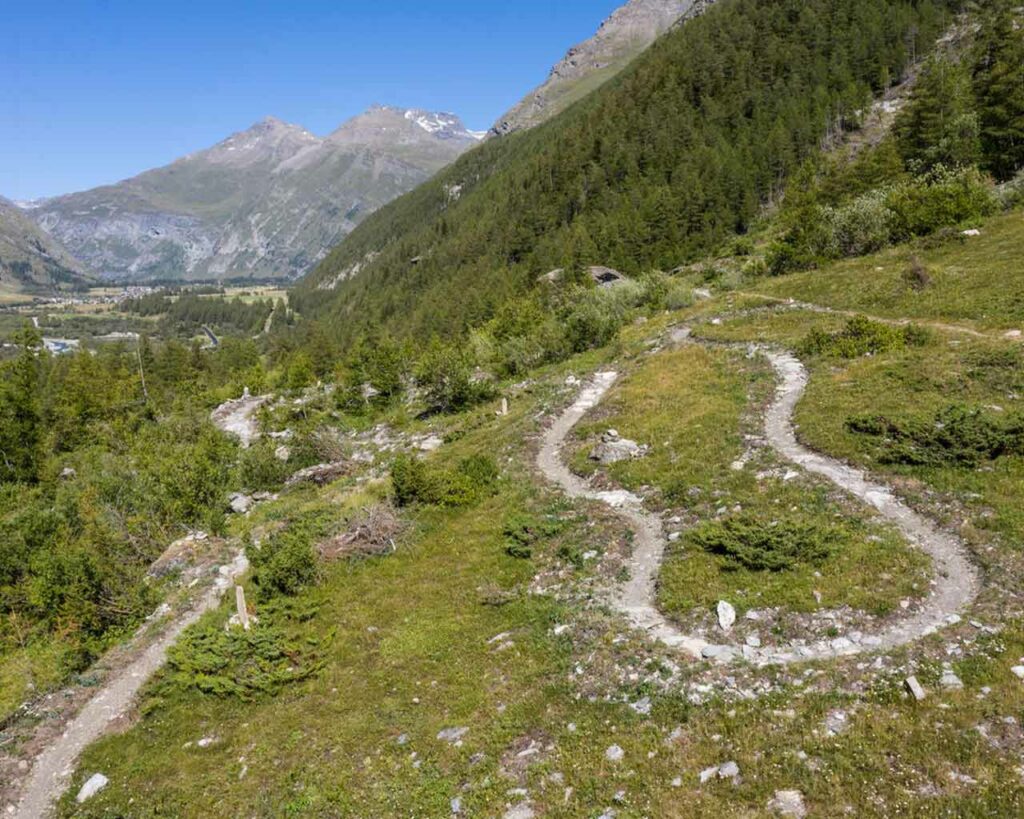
[657, 167]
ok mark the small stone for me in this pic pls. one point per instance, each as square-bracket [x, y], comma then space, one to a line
[456, 804]
[677, 782]
[642, 706]
[614, 753]
[726, 616]
[93, 785]
[452, 735]
[753, 640]
[950, 680]
[836, 722]
[728, 770]
[915, 688]
[1019, 671]
[708, 773]
[788, 803]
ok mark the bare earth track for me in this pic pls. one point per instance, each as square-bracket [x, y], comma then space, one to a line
[53, 768]
[957, 581]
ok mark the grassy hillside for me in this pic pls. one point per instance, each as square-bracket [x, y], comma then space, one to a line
[656, 167]
[456, 629]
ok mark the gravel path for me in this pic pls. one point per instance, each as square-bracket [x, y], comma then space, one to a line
[54, 767]
[956, 583]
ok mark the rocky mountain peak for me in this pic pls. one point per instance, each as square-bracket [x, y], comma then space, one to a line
[628, 31]
[386, 123]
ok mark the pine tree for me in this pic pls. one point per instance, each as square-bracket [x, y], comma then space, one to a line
[939, 126]
[999, 86]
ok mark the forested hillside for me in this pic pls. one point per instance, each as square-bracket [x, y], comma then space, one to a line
[657, 167]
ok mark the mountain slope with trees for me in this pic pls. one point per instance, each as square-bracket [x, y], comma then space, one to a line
[657, 167]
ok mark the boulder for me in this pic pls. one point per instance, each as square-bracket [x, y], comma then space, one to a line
[726, 616]
[915, 688]
[788, 803]
[452, 735]
[320, 474]
[240, 503]
[93, 785]
[614, 448]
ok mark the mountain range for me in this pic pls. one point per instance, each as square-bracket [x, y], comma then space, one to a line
[265, 203]
[271, 201]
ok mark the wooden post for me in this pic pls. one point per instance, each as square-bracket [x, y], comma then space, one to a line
[243, 612]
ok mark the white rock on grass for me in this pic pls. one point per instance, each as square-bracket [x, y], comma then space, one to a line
[614, 753]
[950, 680]
[708, 773]
[915, 688]
[93, 785]
[728, 770]
[1018, 670]
[452, 735]
[788, 803]
[726, 615]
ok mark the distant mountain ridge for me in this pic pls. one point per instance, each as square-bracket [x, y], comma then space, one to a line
[30, 260]
[625, 34]
[267, 202]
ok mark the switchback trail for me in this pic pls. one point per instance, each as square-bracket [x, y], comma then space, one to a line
[956, 584]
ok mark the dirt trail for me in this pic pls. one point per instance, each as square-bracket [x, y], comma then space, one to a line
[956, 583]
[54, 766]
[1010, 335]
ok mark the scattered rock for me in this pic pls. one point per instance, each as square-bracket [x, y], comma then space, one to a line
[1018, 670]
[614, 448]
[614, 753]
[837, 722]
[320, 474]
[642, 706]
[520, 811]
[726, 616]
[708, 773]
[452, 735]
[915, 688]
[972, 232]
[729, 770]
[788, 803]
[68, 473]
[950, 680]
[93, 785]
[283, 453]
[240, 503]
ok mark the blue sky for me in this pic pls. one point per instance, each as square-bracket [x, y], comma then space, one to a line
[92, 92]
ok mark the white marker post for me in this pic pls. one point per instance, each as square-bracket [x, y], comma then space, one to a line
[504, 406]
[243, 612]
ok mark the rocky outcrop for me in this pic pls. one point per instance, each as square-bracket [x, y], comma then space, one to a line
[624, 35]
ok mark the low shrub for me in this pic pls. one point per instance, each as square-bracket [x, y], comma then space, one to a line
[954, 436]
[862, 336]
[415, 481]
[285, 563]
[751, 542]
[523, 531]
[242, 664]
